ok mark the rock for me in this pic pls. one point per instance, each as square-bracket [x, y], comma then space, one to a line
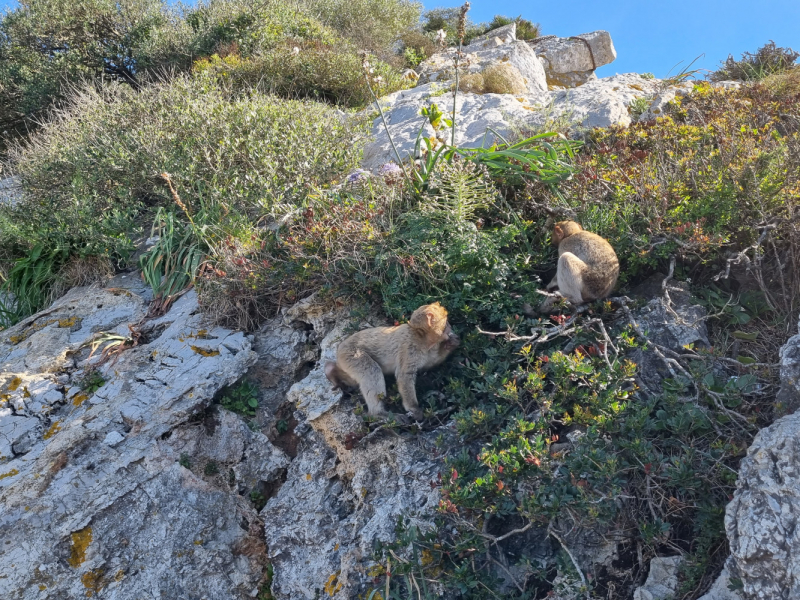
[672, 326]
[762, 519]
[10, 190]
[659, 102]
[113, 438]
[342, 493]
[518, 54]
[720, 589]
[570, 62]
[789, 395]
[662, 581]
[496, 37]
[598, 103]
[86, 508]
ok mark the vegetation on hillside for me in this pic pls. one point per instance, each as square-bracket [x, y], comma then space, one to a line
[230, 139]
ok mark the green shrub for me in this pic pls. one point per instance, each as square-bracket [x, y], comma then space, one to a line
[325, 72]
[46, 46]
[767, 60]
[417, 46]
[526, 30]
[370, 24]
[88, 173]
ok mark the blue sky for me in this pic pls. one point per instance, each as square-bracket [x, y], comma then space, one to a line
[652, 36]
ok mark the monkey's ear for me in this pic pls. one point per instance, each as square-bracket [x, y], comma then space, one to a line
[557, 231]
[420, 319]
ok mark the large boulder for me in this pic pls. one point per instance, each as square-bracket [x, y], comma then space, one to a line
[789, 394]
[485, 54]
[105, 480]
[570, 62]
[762, 519]
[479, 117]
[344, 492]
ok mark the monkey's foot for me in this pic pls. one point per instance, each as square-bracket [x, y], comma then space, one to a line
[551, 303]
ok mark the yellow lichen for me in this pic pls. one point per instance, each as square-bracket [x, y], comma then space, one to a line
[93, 581]
[79, 399]
[11, 473]
[80, 542]
[333, 585]
[198, 542]
[69, 322]
[54, 429]
[375, 571]
[42, 587]
[119, 576]
[25, 392]
[204, 352]
[15, 383]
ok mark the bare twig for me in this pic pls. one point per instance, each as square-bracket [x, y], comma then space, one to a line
[551, 531]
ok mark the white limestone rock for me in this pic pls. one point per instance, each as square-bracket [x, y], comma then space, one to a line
[84, 503]
[721, 588]
[496, 37]
[477, 57]
[10, 190]
[572, 61]
[789, 394]
[598, 103]
[342, 494]
[662, 581]
[762, 519]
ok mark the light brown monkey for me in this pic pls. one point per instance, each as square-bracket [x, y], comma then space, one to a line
[587, 265]
[364, 357]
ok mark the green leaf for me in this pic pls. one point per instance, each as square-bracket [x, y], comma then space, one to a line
[742, 335]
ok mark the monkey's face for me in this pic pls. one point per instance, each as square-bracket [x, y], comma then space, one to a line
[450, 340]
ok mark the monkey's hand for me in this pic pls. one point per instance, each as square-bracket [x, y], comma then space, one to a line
[453, 342]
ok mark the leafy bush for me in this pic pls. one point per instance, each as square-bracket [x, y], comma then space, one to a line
[767, 60]
[325, 72]
[526, 30]
[48, 45]
[703, 182]
[447, 19]
[99, 164]
[417, 45]
[370, 24]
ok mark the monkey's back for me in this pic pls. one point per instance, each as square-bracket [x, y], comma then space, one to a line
[382, 344]
[601, 261]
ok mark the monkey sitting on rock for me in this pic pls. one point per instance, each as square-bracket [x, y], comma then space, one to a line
[587, 265]
[363, 358]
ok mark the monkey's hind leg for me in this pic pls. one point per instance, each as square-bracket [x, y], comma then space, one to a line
[570, 277]
[362, 368]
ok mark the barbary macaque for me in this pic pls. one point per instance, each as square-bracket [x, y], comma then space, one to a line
[363, 358]
[587, 265]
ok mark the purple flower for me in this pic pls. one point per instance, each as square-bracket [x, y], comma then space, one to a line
[357, 176]
[390, 170]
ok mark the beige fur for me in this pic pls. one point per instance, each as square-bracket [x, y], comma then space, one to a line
[364, 357]
[587, 265]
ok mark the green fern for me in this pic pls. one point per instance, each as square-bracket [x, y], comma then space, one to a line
[459, 189]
